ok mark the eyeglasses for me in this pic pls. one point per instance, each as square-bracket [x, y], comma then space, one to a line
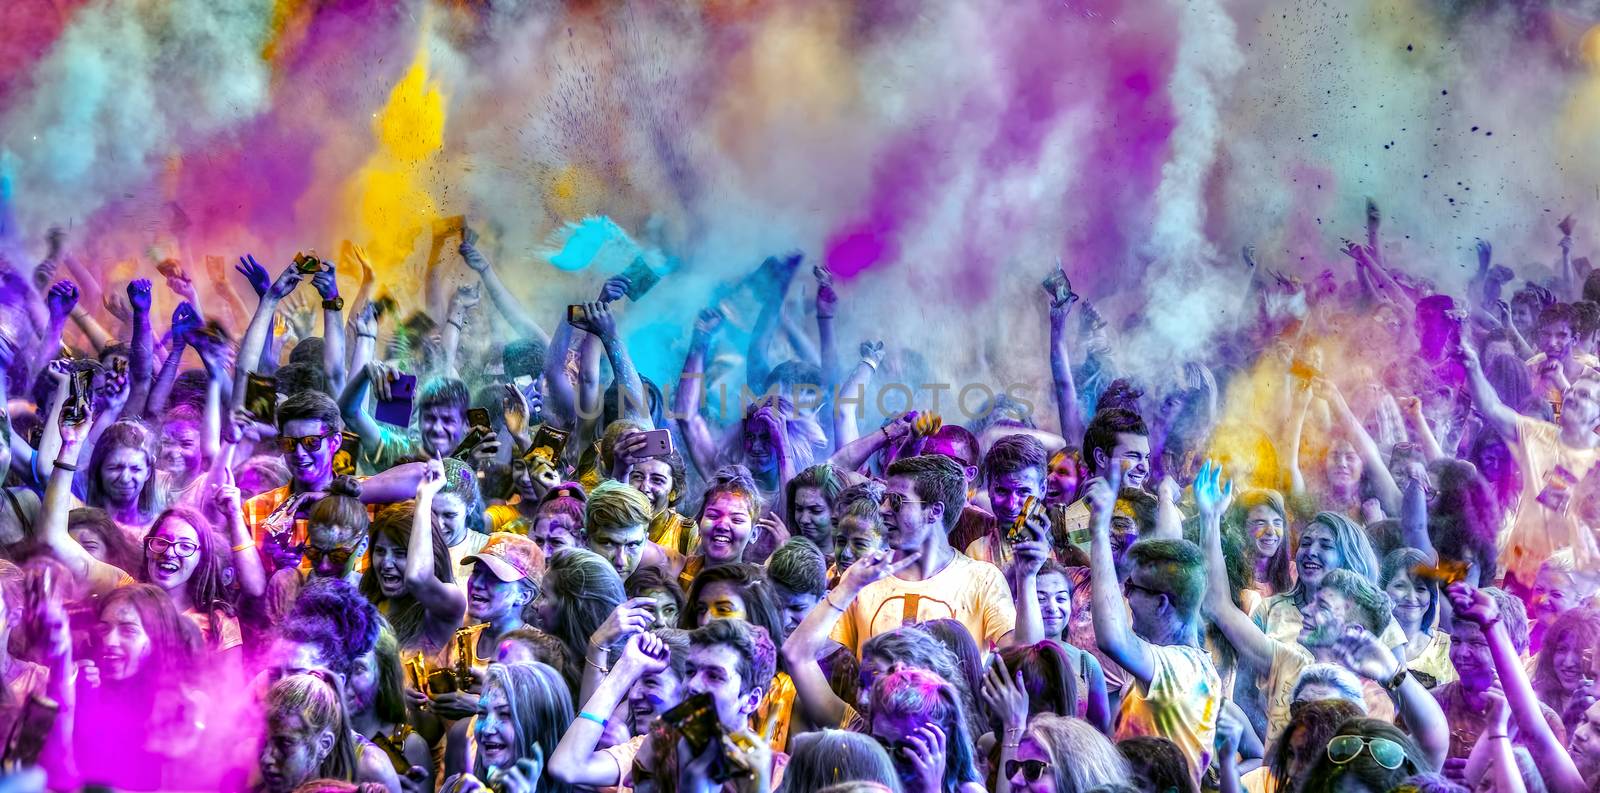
[311, 443]
[338, 556]
[1128, 587]
[1031, 769]
[1345, 748]
[156, 546]
[895, 500]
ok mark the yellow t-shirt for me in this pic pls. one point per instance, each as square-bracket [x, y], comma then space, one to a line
[779, 700]
[1537, 532]
[675, 532]
[1435, 659]
[970, 592]
[1180, 704]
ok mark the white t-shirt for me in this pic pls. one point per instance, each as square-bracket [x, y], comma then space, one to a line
[1180, 704]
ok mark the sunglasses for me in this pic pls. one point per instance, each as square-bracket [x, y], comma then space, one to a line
[1031, 769]
[157, 546]
[1345, 748]
[311, 443]
[1129, 587]
[896, 500]
[338, 556]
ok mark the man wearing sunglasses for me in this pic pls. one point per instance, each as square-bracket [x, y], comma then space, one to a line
[309, 430]
[1173, 690]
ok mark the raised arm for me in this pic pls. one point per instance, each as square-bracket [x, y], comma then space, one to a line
[1297, 425]
[780, 272]
[1571, 282]
[1362, 652]
[827, 306]
[252, 575]
[853, 392]
[51, 529]
[507, 304]
[1113, 634]
[1418, 427]
[141, 355]
[255, 336]
[327, 283]
[1213, 496]
[1496, 414]
[576, 759]
[854, 455]
[1560, 773]
[1414, 518]
[817, 701]
[353, 401]
[185, 321]
[455, 324]
[1068, 411]
[600, 322]
[445, 602]
[560, 398]
[60, 301]
[364, 326]
[1377, 468]
[692, 425]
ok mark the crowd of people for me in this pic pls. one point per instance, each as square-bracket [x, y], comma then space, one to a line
[438, 548]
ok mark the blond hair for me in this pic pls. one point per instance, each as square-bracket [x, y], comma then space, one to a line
[614, 505]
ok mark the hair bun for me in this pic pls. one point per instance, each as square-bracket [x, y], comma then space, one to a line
[347, 486]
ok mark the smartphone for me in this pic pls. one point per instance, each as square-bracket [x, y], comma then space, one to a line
[1557, 492]
[307, 263]
[524, 383]
[696, 720]
[1057, 286]
[576, 313]
[548, 437]
[79, 384]
[479, 417]
[396, 409]
[344, 460]
[640, 278]
[1019, 528]
[261, 397]
[657, 443]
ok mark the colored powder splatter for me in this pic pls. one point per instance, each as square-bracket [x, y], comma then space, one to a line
[391, 192]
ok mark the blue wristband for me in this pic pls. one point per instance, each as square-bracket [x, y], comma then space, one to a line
[583, 714]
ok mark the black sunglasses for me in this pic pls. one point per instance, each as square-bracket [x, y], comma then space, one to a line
[311, 443]
[1031, 769]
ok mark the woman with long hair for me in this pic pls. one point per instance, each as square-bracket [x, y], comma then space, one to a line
[1061, 754]
[526, 708]
[580, 590]
[121, 476]
[1054, 590]
[410, 578]
[1365, 756]
[830, 757]
[1559, 669]
[377, 707]
[1310, 726]
[308, 735]
[1261, 519]
[1416, 607]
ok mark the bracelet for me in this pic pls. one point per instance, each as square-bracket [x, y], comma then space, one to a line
[583, 714]
[873, 365]
[68, 467]
[454, 324]
[1398, 679]
[836, 607]
[244, 546]
[366, 335]
[1501, 736]
[1010, 745]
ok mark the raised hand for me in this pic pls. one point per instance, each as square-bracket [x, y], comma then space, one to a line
[433, 478]
[827, 298]
[632, 616]
[61, 299]
[1003, 694]
[116, 304]
[875, 567]
[1473, 604]
[615, 287]
[1362, 652]
[645, 653]
[139, 295]
[184, 321]
[928, 756]
[326, 282]
[1212, 495]
[1566, 226]
[254, 273]
[285, 283]
[872, 351]
[366, 321]
[1485, 254]
[597, 319]
[707, 322]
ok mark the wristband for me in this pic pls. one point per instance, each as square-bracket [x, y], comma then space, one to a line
[870, 363]
[68, 467]
[583, 714]
[1500, 736]
[333, 304]
[244, 546]
[366, 335]
[455, 324]
[1398, 679]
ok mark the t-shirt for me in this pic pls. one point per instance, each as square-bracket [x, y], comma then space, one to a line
[1435, 659]
[675, 532]
[974, 522]
[227, 635]
[1289, 659]
[1538, 532]
[1180, 703]
[972, 593]
[622, 754]
[1467, 723]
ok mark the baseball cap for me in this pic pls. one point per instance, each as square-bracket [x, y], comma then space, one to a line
[511, 557]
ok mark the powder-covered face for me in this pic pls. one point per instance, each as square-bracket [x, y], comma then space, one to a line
[554, 532]
[181, 452]
[1055, 603]
[123, 472]
[123, 644]
[812, 516]
[653, 478]
[292, 753]
[726, 528]
[495, 730]
[174, 564]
